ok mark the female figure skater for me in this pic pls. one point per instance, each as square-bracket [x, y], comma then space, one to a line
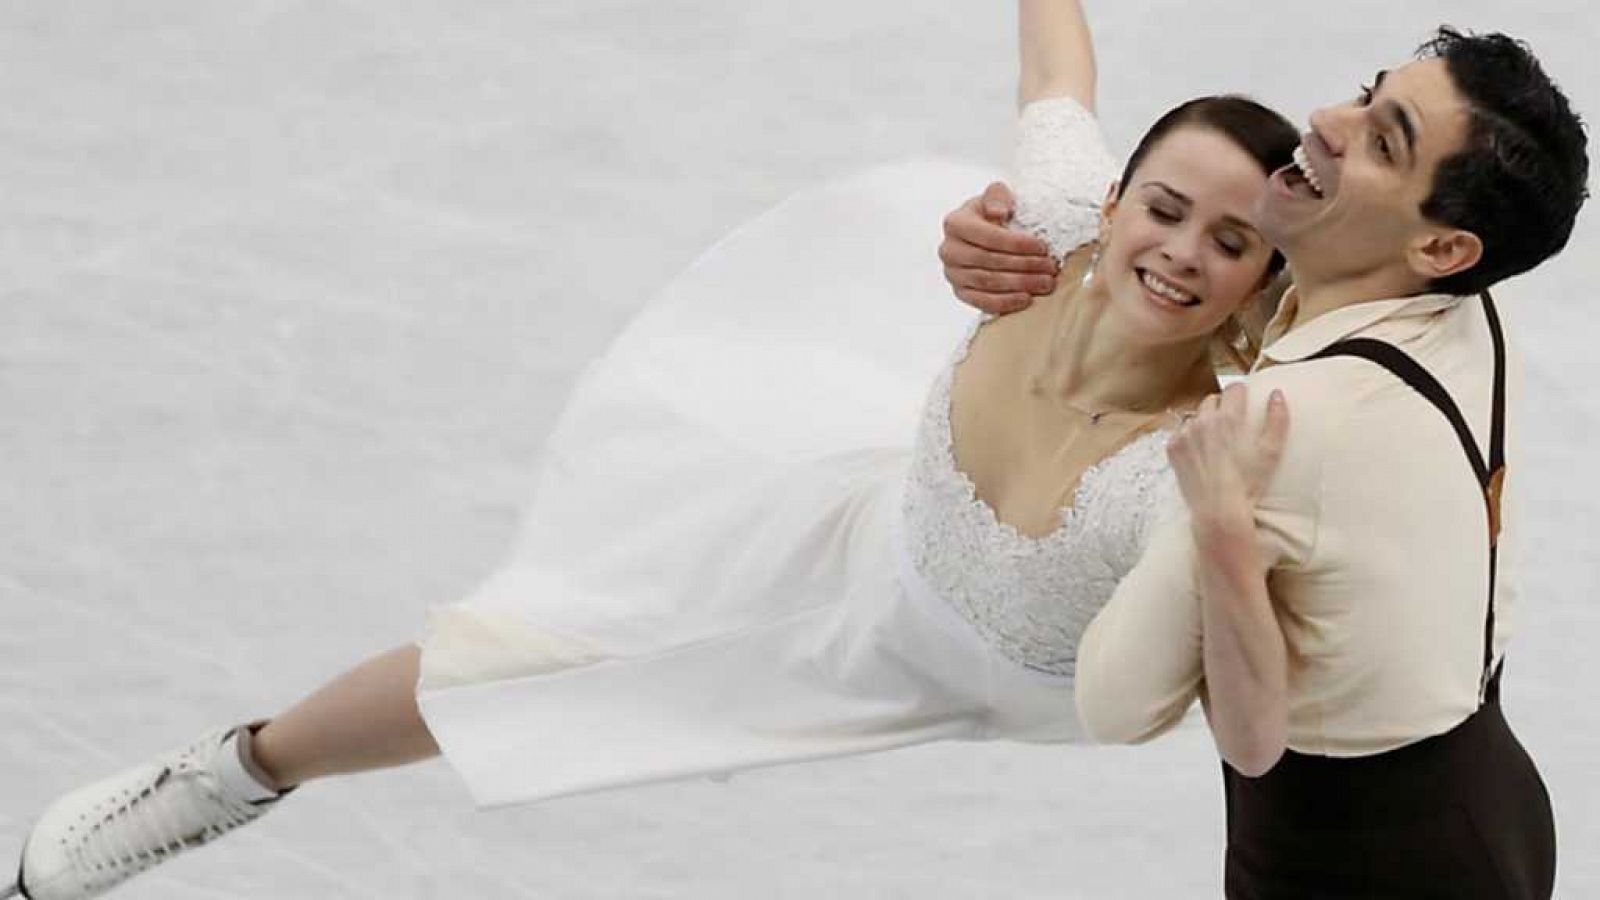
[747, 547]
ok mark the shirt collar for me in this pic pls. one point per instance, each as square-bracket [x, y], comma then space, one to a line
[1285, 344]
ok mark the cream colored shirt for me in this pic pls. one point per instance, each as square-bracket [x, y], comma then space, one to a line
[1376, 532]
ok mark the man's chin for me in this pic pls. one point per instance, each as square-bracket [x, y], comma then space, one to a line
[1281, 234]
[1288, 229]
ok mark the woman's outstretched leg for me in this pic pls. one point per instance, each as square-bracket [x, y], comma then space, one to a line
[99, 836]
[365, 719]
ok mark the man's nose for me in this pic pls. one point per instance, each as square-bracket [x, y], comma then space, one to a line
[1334, 125]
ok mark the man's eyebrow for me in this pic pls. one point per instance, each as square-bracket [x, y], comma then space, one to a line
[1398, 113]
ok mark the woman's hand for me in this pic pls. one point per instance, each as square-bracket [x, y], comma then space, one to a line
[1223, 469]
[991, 267]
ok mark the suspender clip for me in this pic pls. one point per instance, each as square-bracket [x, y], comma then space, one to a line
[1491, 496]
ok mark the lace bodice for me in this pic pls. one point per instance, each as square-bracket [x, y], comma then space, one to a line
[1031, 598]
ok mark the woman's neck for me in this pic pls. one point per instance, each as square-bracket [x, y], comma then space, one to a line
[1091, 364]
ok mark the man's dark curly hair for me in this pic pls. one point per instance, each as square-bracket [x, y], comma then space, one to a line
[1520, 180]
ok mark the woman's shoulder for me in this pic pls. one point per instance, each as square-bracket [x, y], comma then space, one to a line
[1002, 344]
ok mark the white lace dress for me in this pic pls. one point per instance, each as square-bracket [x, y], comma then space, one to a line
[749, 543]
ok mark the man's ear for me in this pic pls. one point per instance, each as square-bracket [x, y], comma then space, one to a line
[1444, 252]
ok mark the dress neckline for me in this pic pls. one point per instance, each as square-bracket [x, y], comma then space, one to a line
[944, 405]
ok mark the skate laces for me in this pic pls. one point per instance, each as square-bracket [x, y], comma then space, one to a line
[181, 807]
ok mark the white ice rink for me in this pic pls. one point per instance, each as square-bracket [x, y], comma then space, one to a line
[290, 291]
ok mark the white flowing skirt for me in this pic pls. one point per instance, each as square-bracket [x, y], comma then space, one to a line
[710, 575]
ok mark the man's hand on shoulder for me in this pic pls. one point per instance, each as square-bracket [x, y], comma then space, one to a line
[990, 266]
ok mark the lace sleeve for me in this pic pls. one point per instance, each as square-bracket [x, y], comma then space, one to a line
[1061, 173]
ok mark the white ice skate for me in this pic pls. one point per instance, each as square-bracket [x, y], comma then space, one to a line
[99, 836]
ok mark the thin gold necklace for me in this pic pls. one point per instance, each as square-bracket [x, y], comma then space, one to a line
[1094, 416]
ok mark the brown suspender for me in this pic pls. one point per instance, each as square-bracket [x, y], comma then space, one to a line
[1491, 474]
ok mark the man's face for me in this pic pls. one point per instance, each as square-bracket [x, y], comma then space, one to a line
[1351, 207]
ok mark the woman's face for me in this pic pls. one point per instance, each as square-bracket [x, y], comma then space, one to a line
[1182, 252]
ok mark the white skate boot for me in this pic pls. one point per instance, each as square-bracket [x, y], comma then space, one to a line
[97, 837]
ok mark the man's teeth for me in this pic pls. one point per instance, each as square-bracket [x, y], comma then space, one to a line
[1303, 162]
[1167, 290]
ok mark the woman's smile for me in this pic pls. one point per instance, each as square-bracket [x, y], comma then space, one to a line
[1164, 292]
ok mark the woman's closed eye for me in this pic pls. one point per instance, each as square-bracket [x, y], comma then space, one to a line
[1230, 243]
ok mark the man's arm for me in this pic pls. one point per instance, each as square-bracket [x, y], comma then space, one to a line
[1144, 658]
[1139, 666]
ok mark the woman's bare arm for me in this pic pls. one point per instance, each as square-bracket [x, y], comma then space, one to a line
[1057, 52]
[991, 267]
[1244, 652]
[1222, 472]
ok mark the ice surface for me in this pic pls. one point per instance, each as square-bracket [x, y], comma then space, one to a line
[290, 291]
